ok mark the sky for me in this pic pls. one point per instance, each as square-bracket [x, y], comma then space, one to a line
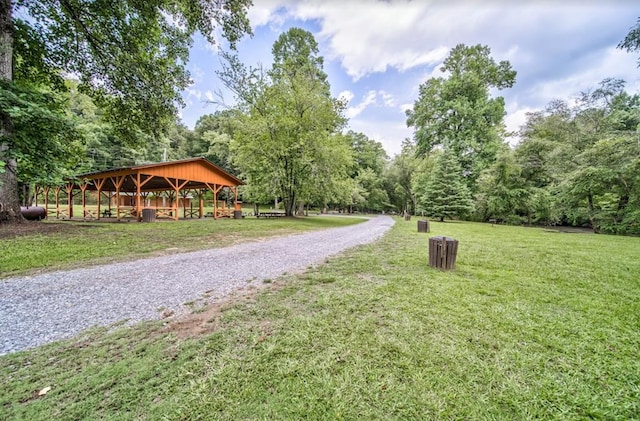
[378, 52]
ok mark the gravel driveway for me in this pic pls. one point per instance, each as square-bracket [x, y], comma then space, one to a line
[35, 310]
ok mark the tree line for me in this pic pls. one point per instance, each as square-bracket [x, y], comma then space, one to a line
[576, 162]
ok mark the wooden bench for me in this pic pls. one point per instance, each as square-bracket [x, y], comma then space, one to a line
[270, 215]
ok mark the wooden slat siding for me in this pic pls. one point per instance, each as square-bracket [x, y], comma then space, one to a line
[443, 252]
[194, 171]
[423, 226]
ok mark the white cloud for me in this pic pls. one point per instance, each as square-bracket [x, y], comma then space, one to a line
[209, 96]
[194, 93]
[268, 12]
[347, 96]
[373, 36]
[388, 99]
[389, 134]
[196, 72]
[369, 99]
[557, 48]
[517, 116]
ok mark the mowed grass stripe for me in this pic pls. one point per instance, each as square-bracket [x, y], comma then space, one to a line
[531, 325]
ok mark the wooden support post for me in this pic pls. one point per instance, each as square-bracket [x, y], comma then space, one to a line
[99, 183]
[138, 203]
[46, 202]
[176, 204]
[201, 200]
[117, 182]
[215, 203]
[58, 202]
[83, 189]
[215, 189]
[235, 199]
[37, 188]
[69, 189]
[183, 195]
[139, 184]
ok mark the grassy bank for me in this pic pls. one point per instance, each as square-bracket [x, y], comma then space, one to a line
[64, 244]
[531, 325]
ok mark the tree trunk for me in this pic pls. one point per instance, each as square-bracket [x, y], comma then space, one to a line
[290, 205]
[9, 198]
[414, 202]
[622, 205]
[592, 218]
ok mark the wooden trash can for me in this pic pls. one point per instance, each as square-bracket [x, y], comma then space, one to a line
[237, 214]
[442, 252]
[148, 215]
[423, 226]
[407, 216]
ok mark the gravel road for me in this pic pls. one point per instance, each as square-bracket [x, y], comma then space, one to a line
[35, 310]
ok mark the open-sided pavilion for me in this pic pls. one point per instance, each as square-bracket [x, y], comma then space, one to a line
[171, 180]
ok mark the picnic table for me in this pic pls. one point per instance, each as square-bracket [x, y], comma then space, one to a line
[270, 214]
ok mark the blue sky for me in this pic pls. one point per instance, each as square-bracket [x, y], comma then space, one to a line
[377, 53]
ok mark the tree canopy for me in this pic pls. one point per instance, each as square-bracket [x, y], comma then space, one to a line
[129, 56]
[457, 112]
[287, 143]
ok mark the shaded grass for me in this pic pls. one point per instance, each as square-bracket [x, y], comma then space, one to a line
[73, 244]
[531, 325]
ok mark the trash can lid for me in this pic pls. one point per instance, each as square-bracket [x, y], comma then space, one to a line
[442, 238]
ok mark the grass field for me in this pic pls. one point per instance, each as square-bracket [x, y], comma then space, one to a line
[64, 244]
[532, 324]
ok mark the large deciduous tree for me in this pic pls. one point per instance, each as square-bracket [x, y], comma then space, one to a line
[287, 143]
[129, 56]
[457, 112]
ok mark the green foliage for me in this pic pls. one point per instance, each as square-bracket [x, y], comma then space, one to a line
[502, 192]
[445, 193]
[367, 153]
[130, 56]
[400, 180]
[458, 113]
[286, 142]
[44, 141]
[631, 42]
[582, 163]
[370, 194]
[368, 191]
[211, 139]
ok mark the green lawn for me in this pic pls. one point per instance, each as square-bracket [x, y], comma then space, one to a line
[531, 325]
[64, 244]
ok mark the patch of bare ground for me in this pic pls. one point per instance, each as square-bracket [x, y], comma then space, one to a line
[36, 227]
[206, 319]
